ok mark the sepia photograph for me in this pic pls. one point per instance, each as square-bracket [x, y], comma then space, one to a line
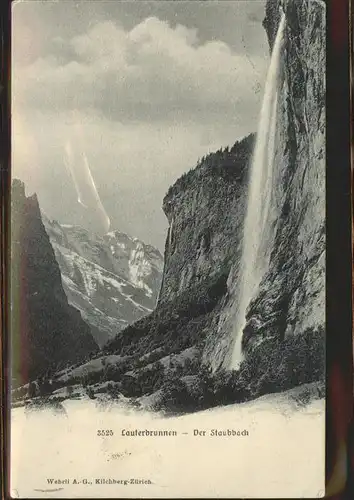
[168, 249]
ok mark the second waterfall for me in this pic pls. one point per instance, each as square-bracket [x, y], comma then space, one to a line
[261, 206]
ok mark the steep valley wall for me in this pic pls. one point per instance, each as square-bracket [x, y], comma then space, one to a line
[46, 332]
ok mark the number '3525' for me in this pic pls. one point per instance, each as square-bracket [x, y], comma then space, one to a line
[105, 432]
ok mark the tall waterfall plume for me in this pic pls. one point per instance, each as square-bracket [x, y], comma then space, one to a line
[260, 212]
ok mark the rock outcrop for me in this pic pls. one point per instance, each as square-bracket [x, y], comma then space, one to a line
[46, 332]
[205, 211]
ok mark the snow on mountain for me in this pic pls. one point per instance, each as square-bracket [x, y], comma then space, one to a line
[113, 280]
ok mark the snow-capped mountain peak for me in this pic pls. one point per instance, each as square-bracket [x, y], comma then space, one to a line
[113, 279]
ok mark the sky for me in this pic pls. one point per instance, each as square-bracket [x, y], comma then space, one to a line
[112, 101]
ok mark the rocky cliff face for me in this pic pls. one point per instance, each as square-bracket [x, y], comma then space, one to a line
[292, 295]
[113, 279]
[291, 298]
[205, 210]
[46, 332]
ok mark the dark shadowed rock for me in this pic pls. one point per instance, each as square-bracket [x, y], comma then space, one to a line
[45, 331]
[205, 210]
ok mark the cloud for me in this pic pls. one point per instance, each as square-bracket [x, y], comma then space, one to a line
[149, 98]
[152, 72]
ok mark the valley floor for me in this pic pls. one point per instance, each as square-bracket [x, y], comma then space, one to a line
[276, 449]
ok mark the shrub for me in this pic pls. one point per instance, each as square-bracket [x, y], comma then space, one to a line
[228, 388]
[114, 372]
[191, 365]
[69, 390]
[90, 393]
[146, 381]
[33, 389]
[130, 386]
[276, 365]
[175, 397]
[46, 387]
[113, 390]
[94, 377]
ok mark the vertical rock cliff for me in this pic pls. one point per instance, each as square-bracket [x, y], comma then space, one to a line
[205, 210]
[46, 332]
[291, 298]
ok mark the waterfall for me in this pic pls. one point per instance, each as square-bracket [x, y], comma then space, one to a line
[260, 212]
[170, 233]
